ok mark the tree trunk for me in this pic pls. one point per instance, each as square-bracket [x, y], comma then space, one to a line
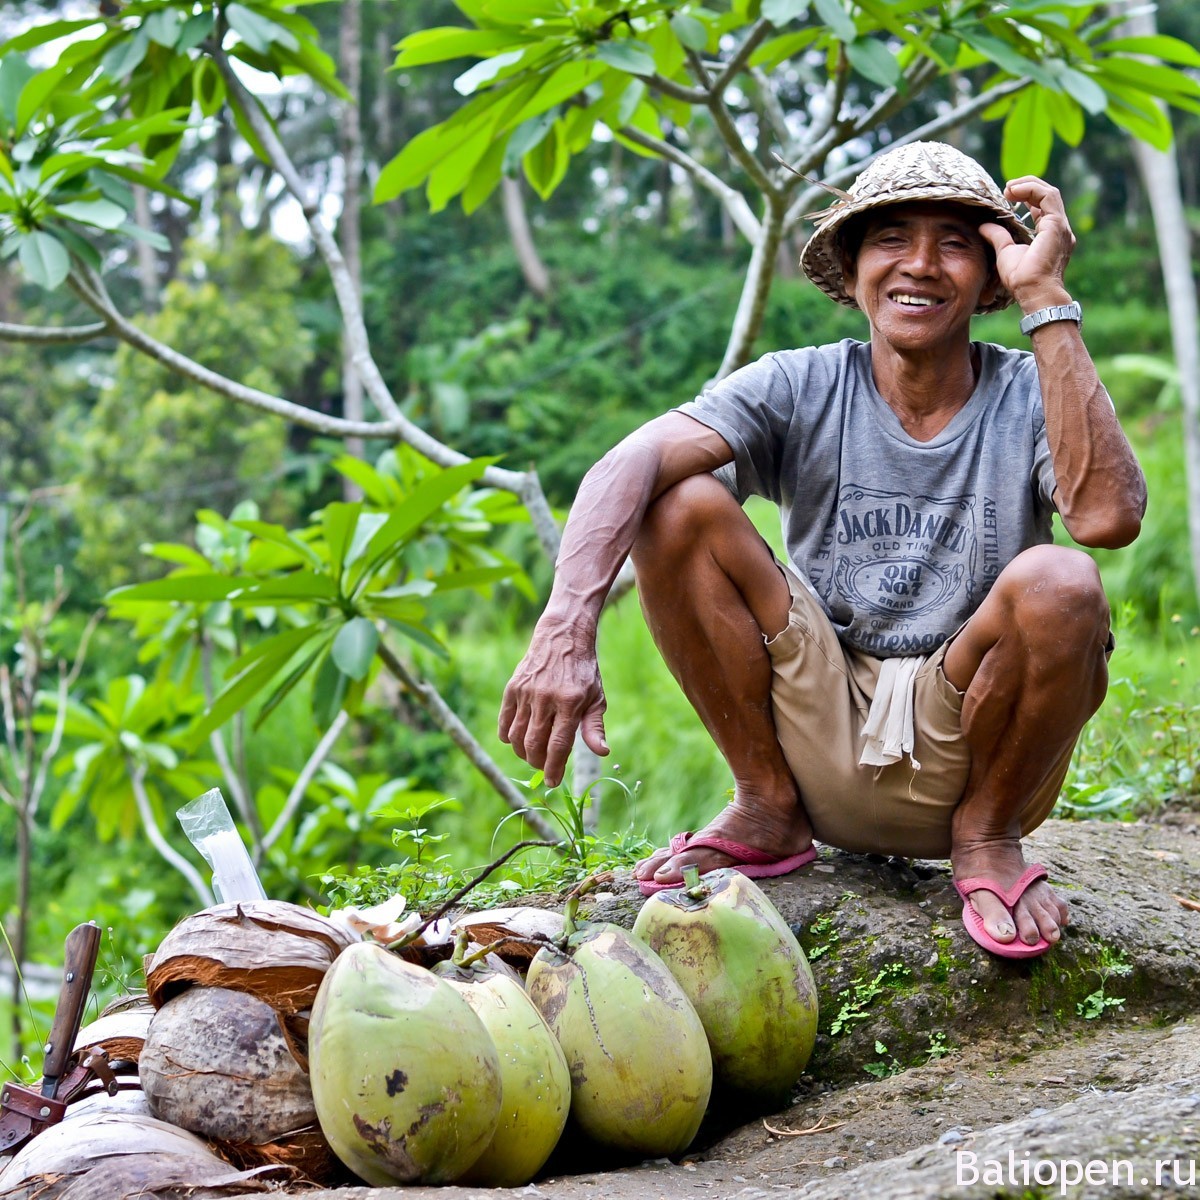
[537, 278]
[1159, 170]
[147, 260]
[757, 287]
[350, 136]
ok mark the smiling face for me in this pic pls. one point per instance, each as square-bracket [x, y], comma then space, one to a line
[920, 272]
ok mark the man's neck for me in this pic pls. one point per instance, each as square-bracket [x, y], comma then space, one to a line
[924, 389]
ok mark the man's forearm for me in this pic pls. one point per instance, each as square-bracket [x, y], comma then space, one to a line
[600, 532]
[1101, 489]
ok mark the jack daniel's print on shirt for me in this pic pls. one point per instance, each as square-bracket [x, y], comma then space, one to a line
[900, 540]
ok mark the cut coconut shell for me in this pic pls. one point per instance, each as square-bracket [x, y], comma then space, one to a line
[276, 951]
[54, 1160]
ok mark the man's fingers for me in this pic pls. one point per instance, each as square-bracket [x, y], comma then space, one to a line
[592, 730]
[996, 236]
[558, 750]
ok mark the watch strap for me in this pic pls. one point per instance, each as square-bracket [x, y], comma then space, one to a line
[1052, 312]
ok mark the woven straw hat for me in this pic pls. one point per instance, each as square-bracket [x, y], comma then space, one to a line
[915, 172]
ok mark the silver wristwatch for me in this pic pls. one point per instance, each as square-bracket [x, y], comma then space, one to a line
[1053, 312]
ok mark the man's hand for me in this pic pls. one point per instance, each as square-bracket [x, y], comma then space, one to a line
[1034, 273]
[554, 691]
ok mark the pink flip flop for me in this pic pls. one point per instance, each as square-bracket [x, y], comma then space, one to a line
[754, 864]
[974, 922]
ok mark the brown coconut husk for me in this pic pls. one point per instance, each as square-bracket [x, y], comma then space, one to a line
[515, 932]
[276, 951]
[120, 1035]
[217, 1062]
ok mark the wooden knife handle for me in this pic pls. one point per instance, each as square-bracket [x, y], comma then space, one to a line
[79, 954]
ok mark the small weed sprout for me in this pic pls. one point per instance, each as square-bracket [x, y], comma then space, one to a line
[860, 995]
[1094, 1005]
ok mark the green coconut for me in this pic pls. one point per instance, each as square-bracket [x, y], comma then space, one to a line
[641, 1073]
[535, 1083]
[745, 973]
[405, 1077]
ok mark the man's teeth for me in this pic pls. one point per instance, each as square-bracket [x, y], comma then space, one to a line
[919, 301]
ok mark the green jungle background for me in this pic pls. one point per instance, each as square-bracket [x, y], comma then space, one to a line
[104, 453]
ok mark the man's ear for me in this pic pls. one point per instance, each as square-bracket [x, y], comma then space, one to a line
[991, 285]
[849, 274]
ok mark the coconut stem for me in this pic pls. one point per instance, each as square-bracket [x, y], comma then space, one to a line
[511, 940]
[463, 891]
[692, 887]
[460, 949]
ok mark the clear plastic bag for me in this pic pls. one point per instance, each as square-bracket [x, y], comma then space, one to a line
[210, 828]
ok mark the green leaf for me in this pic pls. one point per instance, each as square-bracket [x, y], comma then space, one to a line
[39, 35]
[78, 246]
[1066, 116]
[195, 30]
[163, 27]
[299, 585]
[473, 78]
[289, 682]
[35, 93]
[546, 164]
[104, 214]
[874, 61]
[633, 57]
[448, 42]
[339, 521]
[329, 693]
[1132, 110]
[426, 499]
[1153, 78]
[149, 236]
[485, 177]
[1082, 88]
[771, 53]
[184, 587]
[279, 646]
[208, 87]
[478, 577]
[44, 259]
[779, 12]
[422, 636]
[235, 697]
[1172, 49]
[1008, 57]
[1028, 136]
[368, 526]
[277, 534]
[693, 34]
[125, 56]
[840, 23]
[526, 136]
[354, 647]
[256, 30]
[15, 75]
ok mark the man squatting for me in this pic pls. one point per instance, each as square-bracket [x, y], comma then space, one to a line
[913, 679]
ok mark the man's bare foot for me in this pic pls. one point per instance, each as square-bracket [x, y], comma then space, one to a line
[780, 832]
[1038, 913]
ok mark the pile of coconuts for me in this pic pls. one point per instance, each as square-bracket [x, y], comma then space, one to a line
[292, 1049]
[458, 1074]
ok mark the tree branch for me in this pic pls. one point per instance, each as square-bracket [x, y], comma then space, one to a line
[296, 795]
[90, 288]
[759, 32]
[323, 239]
[771, 107]
[680, 91]
[451, 723]
[731, 199]
[66, 679]
[123, 328]
[740, 152]
[49, 335]
[137, 780]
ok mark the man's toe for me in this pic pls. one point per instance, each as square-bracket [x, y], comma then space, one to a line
[996, 918]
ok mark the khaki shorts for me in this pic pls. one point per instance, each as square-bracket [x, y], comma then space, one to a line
[821, 693]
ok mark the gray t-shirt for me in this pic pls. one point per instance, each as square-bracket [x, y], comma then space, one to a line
[901, 540]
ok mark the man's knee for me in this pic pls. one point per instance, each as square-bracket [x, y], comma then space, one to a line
[1055, 593]
[682, 518]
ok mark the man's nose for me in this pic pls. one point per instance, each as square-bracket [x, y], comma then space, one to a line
[922, 258]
